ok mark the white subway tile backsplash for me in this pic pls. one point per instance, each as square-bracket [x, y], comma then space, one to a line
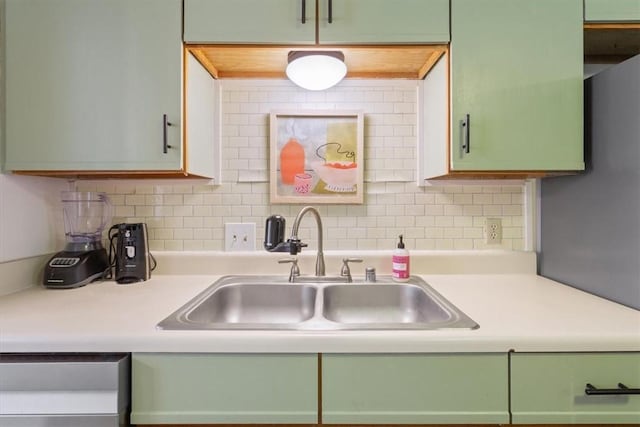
[191, 215]
[511, 210]
[174, 222]
[453, 210]
[472, 210]
[144, 211]
[173, 245]
[492, 210]
[125, 211]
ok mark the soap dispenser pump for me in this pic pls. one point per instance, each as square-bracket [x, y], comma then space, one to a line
[400, 261]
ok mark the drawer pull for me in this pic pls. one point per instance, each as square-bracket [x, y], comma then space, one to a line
[590, 390]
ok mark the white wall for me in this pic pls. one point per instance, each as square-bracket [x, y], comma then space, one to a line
[30, 216]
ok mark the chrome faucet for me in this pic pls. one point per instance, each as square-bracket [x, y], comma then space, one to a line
[274, 237]
[320, 270]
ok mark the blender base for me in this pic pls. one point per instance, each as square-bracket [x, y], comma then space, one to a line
[70, 269]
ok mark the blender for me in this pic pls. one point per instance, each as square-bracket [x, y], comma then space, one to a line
[84, 259]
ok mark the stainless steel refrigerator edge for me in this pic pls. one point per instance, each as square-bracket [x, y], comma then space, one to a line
[590, 223]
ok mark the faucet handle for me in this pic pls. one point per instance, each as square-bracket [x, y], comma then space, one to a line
[295, 270]
[346, 271]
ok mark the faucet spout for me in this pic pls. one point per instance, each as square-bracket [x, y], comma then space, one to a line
[320, 268]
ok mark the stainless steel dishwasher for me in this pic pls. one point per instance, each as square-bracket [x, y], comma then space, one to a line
[64, 390]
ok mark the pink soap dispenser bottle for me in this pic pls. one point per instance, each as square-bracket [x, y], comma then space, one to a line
[400, 260]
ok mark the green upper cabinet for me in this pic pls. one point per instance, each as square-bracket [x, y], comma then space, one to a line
[88, 83]
[517, 75]
[250, 21]
[224, 388]
[383, 21]
[339, 21]
[551, 388]
[415, 389]
[612, 10]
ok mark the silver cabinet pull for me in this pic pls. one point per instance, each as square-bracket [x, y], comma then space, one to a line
[165, 137]
[304, 11]
[465, 124]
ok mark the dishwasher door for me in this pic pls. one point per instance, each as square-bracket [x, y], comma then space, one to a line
[64, 390]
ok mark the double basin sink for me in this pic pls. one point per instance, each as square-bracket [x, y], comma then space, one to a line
[272, 303]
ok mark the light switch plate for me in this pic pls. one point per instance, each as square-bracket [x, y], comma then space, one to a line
[239, 237]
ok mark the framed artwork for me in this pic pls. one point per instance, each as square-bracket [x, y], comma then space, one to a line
[316, 157]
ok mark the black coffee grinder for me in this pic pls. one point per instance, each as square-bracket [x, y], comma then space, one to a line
[83, 259]
[132, 256]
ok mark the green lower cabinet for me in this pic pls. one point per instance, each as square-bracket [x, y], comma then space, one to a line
[224, 388]
[550, 388]
[414, 389]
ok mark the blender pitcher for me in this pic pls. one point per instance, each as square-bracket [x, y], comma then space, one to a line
[86, 215]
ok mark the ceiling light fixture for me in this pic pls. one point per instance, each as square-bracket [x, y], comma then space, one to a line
[316, 70]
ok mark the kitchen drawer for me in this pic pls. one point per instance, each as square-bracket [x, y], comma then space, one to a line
[550, 388]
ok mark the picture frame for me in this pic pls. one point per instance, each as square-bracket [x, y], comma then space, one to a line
[316, 157]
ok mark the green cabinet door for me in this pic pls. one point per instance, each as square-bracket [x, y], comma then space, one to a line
[250, 21]
[414, 389]
[550, 388]
[88, 83]
[383, 21]
[224, 389]
[517, 72]
[612, 10]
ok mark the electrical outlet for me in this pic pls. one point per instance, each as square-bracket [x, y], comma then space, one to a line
[239, 237]
[493, 231]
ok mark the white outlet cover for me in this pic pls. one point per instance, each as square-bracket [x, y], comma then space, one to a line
[493, 230]
[239, 237]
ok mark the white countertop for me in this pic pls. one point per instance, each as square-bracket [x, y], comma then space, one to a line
[515, 311]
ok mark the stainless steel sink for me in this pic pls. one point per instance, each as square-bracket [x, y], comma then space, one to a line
[384, 304]
[270, 302]
[255, 304]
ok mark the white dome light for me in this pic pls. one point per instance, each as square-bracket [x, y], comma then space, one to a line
[315, 70]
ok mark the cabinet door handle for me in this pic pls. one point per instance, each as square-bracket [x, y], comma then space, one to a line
[622, 389]
[465, 124]
[304, 11]
[330, 14]
[165, 137]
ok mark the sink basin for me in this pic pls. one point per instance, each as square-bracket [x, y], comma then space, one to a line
[367, 304]
[248, 306]
[271, 303]
[256, 304]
